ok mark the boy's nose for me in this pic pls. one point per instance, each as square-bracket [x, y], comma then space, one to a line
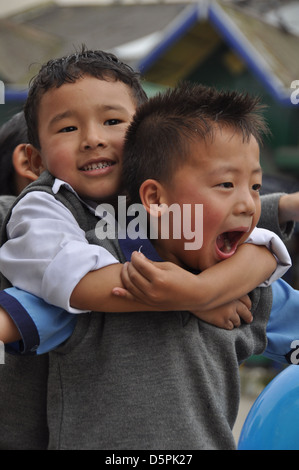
[246, 204]
[93, 138]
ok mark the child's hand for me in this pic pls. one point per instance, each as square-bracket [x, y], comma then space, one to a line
[167, 286]
[228, 316]
[163, 285]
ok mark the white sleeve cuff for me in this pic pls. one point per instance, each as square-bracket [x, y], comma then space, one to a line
[261, 236]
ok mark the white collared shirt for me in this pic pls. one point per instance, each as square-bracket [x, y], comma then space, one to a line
[47, 253]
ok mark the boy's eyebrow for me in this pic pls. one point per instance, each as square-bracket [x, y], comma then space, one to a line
[225, 169]
[112, 107]
[60, 116]
[69, 113]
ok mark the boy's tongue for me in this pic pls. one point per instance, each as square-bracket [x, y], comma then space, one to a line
[224, 243]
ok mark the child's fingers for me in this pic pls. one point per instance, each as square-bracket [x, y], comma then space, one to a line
[121, 292]
[235, 320]
[135, 283]
[246, 300]
[244, 312]
[143, 265]
[229, 323]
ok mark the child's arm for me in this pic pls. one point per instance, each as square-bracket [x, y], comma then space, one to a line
[160, 282]
[8, 330]
[279, 213]
[228, 316]
[42, 327]
[288, 208]
[167, 284]
[191, 295]
[283, 324]
[36, 327]
[181, 290]
[168, 287]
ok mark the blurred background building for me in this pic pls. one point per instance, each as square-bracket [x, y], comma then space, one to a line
[247, 45]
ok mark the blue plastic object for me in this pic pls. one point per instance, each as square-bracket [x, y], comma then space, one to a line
[273, 421]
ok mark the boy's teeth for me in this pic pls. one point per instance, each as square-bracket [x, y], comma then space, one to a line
[96, 166]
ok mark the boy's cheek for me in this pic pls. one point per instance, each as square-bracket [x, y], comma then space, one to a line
[257, 214]
[211, 219]
[244, 238]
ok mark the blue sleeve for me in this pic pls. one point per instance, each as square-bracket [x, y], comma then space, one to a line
[42, 327]
[283, 324]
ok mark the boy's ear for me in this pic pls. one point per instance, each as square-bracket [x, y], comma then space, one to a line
[21, 163]
[34, 160]
[152, 195]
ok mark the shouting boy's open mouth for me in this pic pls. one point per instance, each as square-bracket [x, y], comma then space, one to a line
[227, 243]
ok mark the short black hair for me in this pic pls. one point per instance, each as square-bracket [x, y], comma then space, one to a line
[12, 133]
[69, 69]
[158, 139]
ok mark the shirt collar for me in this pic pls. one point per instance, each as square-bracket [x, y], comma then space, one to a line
[59, 183]
[141, 243]
[144, 245]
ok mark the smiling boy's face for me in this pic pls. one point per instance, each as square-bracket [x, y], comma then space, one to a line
[224, 175]
[81, 131]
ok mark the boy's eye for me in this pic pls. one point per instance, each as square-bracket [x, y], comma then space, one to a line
[112, 122]
[68, 129]
[227, 184]
[257, 187]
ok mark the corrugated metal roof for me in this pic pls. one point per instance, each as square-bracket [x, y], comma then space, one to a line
[103, 26]
[22, 50]
[52, 30]
[273, 46]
